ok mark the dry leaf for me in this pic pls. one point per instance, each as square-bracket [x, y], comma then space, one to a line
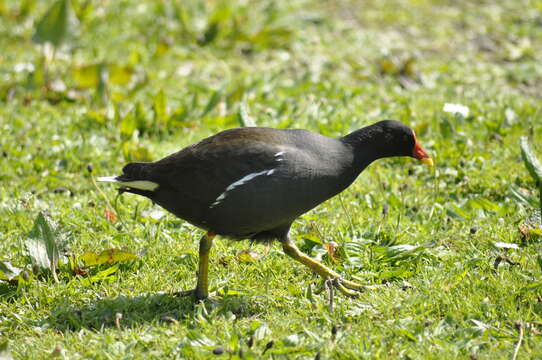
[108, 256]
[110, 216]
[248, 256]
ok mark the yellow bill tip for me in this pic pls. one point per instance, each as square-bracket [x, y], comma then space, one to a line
[427, 161]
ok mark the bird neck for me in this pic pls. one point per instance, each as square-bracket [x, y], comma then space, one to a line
[368, 144]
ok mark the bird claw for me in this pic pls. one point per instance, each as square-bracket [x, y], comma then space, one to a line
[348, 288]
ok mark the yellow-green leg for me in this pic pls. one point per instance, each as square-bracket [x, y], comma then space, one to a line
[342, 285]
[202, 288]
[202, 292]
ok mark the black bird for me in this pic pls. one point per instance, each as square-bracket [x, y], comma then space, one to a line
[253, 182]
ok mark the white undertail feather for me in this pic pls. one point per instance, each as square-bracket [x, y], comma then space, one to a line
[108, 179]
[135, 184]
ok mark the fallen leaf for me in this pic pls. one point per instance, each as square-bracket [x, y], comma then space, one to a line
[110, 216]
[8, 271]
[248, 256]
[42, 247]
[331, 248]
[108, 256]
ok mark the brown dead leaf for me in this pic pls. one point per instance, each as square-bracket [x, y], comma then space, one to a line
[108, 256]
[248, 256]
[110, 216]
[331, 248]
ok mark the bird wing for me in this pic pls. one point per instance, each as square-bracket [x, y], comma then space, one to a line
[206, 169]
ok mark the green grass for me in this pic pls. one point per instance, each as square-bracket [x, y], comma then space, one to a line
[179, 73]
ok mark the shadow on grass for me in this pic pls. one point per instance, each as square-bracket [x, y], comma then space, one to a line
[143, 309]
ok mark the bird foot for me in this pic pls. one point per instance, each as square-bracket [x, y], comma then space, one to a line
[347, 287]
[196, 295]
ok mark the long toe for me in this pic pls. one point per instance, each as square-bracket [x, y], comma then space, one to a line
[338, 284]
[353, 285]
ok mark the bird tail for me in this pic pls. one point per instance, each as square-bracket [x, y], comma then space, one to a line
[135, 176]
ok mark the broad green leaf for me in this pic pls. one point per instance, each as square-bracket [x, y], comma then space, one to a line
[42, 247]
[533, 286]
[133, 151]
[8, 271]
[104, 275]
[210, 34]
[87, 76]
[108, 256]
[161, 48]
[3, 8]
[406, 333]
[311, 237]
[215, 98]
[160, 107]
[484, 204]
[128, 125]
[400, 252]
[531, 161]
[254, 324]
[398, 273]
[120, 75]
[57, 25]
[456, 212]
[243, 116]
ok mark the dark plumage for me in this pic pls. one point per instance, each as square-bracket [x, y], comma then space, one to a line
[254, 182]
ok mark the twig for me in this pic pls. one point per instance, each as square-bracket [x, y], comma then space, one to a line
[102, 193]
[352, 229]
[516, 350]
[107, 201]
[503, 257]
[329, 285]
[118, 317]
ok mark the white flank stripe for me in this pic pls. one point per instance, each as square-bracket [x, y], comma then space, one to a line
[239, 182]
[136, 184]
[279, 157]
[108, 179]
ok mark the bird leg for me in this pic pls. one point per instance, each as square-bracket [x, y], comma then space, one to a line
[342, 285]
[201, 292]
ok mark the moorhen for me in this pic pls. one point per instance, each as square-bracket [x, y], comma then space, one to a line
[253, 182]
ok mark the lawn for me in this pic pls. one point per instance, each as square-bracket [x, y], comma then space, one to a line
[455, 250]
